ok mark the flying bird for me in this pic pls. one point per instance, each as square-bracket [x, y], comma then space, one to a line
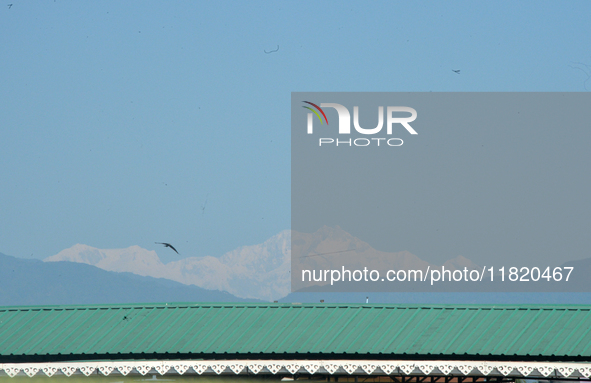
[9, 6]
[456, 71]
[167, 245]
[204, 205]
[273, 51]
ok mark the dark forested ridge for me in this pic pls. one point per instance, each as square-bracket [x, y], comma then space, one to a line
[33, 282]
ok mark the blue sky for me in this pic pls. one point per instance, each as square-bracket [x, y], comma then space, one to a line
[119, 121]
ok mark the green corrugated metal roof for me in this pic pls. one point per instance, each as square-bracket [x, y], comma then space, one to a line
[325, 330]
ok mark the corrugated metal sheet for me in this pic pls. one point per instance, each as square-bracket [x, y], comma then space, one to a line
[326, 329]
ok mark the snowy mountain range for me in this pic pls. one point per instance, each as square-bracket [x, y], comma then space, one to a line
[260, 271]
[254, 272]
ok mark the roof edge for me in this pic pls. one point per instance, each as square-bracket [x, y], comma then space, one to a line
[297, 304]
[291, 367]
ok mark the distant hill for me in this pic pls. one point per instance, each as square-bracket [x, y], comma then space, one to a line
[33, 282]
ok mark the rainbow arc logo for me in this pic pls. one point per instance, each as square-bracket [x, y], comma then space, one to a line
[315, 112]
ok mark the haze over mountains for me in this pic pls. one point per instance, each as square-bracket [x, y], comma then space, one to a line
[86, 275]
[252, 272]
[330, 248]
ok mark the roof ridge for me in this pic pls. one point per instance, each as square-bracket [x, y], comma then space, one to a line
[296, 304]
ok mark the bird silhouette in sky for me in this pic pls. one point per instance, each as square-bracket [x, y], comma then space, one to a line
[204, 205]
[456, 71]
[273, 51]
[167, 245]
[9, 6]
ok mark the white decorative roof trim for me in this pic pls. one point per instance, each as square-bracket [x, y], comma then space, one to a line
[290, 367]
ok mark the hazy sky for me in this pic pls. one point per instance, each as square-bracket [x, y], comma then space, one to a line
[121, 121]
